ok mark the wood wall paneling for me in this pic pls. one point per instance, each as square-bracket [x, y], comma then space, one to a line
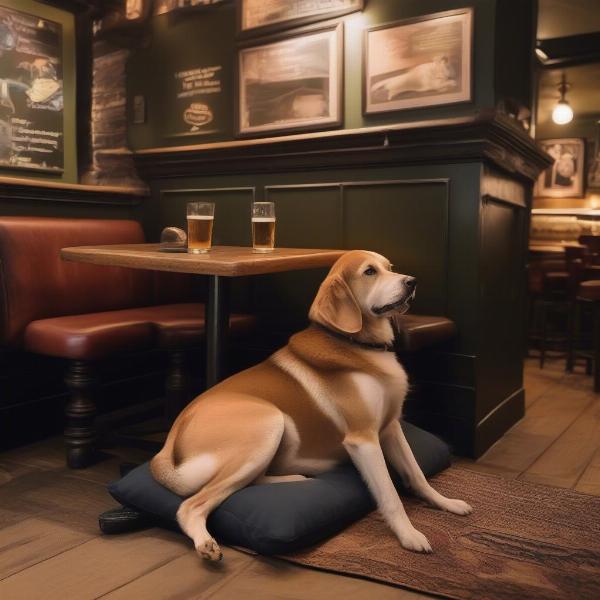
[501, 299]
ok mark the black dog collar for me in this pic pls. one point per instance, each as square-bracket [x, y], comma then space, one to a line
[348, 338]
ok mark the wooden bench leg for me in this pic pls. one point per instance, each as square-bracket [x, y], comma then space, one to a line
[80, 435]
[177, 385]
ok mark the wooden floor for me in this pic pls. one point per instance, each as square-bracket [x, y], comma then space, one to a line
[50, 546]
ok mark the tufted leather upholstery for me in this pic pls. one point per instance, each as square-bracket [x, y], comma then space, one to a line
[36, 284]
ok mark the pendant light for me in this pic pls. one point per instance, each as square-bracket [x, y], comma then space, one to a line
[562, 113]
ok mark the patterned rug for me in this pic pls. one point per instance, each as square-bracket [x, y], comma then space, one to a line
[522, 542]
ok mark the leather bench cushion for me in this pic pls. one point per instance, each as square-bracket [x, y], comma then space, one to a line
[278, 518]
[420, 331]
[91, 336]
[183, 325]
[589, 290]
[97, 335]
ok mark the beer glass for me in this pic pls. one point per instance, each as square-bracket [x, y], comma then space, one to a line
[263, 226]
[200, 218]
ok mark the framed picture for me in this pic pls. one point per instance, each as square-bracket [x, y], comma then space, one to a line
[31, 92]
[419, 62]
[263, 16]
[565, 178]
[593, 171]
[161, 7]
[292, 84]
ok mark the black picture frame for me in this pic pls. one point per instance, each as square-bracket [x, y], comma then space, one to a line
[10, 162]
[433, 98]
[288, 23]
[335, 89]
[551, 183]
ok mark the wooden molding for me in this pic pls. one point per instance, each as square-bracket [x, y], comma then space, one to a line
[57, 191]
[486, 136]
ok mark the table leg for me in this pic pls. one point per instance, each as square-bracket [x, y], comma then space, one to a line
[217, 324]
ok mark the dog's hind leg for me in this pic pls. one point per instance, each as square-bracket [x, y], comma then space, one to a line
[279, 479]
[236, 467]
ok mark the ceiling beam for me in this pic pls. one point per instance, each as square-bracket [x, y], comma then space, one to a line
[570, 51]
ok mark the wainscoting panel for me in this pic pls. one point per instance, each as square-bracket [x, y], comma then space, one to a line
[406, 221]
[502, 322]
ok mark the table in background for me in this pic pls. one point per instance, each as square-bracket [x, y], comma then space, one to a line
[220, 265]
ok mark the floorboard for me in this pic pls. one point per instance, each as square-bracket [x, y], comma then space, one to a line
[184, 577]
[589, 482]
[551, 415]
[33, 541]
[50, 546]
[94, 568]
[568, 457]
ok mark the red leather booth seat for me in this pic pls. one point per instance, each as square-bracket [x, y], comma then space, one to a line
[86, 312]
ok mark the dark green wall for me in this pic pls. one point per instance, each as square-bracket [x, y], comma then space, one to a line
[67, 20]
[426, 211]
[207, 37]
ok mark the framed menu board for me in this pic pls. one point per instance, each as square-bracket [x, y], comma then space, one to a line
[31, 92]
[264, 16]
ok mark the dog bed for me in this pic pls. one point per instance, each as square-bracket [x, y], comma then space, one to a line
[279, 518]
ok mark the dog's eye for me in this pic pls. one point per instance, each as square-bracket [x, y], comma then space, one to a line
[370, 271]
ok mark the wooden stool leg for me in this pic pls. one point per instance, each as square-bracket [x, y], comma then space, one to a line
[80, 435]
[596, 347]
[176, 387]
[571, 334]
[543, 333]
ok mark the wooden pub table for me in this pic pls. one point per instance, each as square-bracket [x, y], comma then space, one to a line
[220, 265]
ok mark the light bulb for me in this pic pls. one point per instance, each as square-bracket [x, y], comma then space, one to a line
[562, 113]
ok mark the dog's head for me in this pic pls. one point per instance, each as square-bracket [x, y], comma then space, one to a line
[361, 286]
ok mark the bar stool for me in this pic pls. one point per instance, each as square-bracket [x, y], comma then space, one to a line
[577, 264]
[592, 243]
[549, 303]
[589, 293]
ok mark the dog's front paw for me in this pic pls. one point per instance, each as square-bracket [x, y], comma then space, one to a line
[458, 507]
[415, 541]
[209, 550]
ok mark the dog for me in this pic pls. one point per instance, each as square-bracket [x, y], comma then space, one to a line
[434, 76]
[333, 393]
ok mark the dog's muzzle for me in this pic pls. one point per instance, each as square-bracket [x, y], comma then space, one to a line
[401, 305]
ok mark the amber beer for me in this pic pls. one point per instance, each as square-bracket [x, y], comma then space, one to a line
[263, 233]
[200, 219]
[263, 226]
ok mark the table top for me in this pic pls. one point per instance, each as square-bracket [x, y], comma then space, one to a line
[228, 261]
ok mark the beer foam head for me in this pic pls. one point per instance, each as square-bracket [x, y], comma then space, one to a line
[201, 217]
[263, 219]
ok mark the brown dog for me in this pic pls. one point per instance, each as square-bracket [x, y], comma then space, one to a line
[332, 394]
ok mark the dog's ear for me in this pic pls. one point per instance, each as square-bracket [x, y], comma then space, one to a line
[335, 306]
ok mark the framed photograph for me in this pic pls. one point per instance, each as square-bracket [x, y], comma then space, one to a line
[419, 62]
[292, 84]
[565, 178]
[263, 16]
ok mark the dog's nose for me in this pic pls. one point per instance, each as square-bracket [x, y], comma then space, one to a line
[410, 283]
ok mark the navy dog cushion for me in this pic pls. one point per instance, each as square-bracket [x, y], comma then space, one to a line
[277, 518]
